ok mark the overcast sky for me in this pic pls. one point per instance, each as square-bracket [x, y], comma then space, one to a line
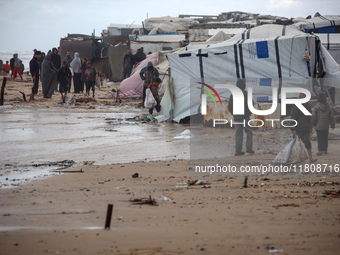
[29, 24]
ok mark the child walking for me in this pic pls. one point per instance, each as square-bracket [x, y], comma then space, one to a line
[90, 76]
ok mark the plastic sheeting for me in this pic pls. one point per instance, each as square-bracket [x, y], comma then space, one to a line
[328, 22]
[266, 57]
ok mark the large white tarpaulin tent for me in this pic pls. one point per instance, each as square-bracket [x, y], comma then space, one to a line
[265, 52]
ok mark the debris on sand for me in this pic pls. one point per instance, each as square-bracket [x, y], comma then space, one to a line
[333, 193]
[144, 201]
[286, 205]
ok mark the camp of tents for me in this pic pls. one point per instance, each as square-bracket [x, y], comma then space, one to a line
[274, 55]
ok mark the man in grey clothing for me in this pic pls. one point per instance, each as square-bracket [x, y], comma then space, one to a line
[243, 123]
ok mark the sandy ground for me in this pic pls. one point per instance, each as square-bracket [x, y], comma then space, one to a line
[65, 214]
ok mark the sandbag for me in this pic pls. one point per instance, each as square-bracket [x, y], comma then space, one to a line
[150, 101]
[292, 153]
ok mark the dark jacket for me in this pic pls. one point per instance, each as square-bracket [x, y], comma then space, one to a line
[148, 74]
[83, 69]
[128, 61]
[11, 63]
[139, 56]
[247, 113]
[304, 122]
[34, 67]
[56, 60]
[90, 75]
[64, 75]
[323, 117]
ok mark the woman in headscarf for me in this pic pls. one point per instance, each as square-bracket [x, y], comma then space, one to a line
[48, 77]
[76, 67]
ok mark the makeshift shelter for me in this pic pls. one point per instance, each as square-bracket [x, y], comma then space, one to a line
[133, 86]
[88, 46]
[319, 24]
[265, 55]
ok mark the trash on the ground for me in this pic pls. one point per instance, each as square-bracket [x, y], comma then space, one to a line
[198, 182]
[275, 251]
[181, 185]
[85, 99]
[144, 201]
[186, 134]
[69, 99]
[135, 175]
[286, 205]
[333, 193]
[120, 187]
[292, 153]
[164, 198]
[161, 118]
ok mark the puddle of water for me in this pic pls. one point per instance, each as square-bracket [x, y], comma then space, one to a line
[42, 135]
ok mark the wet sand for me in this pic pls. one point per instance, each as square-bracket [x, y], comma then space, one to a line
[65, 214]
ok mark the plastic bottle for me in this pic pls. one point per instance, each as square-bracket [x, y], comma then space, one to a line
[181, 185]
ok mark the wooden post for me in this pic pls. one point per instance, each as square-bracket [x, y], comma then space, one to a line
[108, 216]
[245, 182]
[3, 91]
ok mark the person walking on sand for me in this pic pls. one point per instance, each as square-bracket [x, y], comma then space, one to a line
[322, 119]
[64, 76]
[35, 70]
[17, 64]
[241, 84]
[68, 60]
[304, 126]
[48, 77]
[90, 74]
[148, 74]
[76, 67]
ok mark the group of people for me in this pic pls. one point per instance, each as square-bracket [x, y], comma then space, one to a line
[131, 60]
[51, 70]
[321, 120]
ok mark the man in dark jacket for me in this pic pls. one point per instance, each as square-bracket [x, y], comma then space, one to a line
[128, 64]
[304, 126]
[35, 70]
[148, 74]
[139, 56]
[55, 58]
[242, 119]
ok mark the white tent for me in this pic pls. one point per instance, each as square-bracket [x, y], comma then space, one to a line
[219, 37]
[332, 43]
[261, 53]
[319, 24]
